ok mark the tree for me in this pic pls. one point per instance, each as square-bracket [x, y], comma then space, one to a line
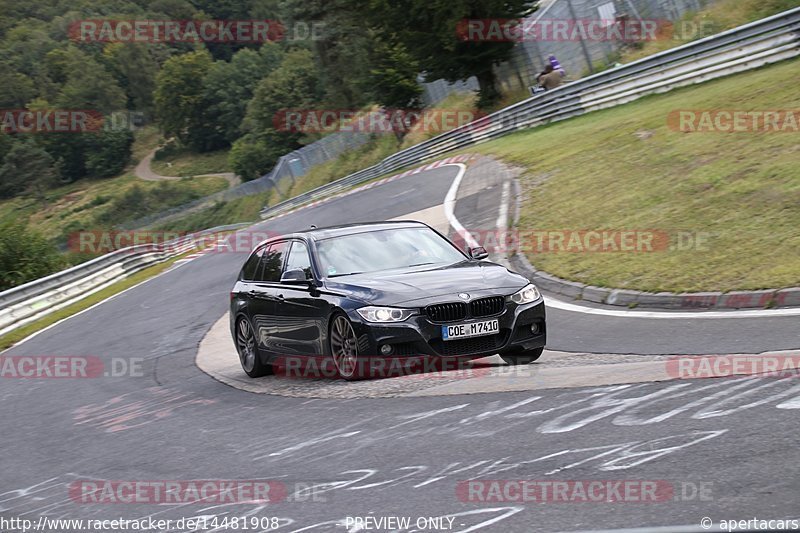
[26, 167]
[107, 152]
[228, 87]
[179, 97]
[253, 155]
[16, 90]
[88, 84]
[295, 84]
[428, 29]
[342, 48]
[394, 76]
[135, 68]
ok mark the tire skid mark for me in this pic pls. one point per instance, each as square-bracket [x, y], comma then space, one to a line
[129, 411]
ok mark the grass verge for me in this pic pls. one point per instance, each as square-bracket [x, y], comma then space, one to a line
[187, 163]
[379, 148]
[245, 209]
[13, 337]
[717, 17]
[624, 168]
[100, 204]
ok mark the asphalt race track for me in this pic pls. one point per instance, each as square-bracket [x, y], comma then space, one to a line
[716, 448]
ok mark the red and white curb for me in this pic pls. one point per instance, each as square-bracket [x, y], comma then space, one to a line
[191, 257]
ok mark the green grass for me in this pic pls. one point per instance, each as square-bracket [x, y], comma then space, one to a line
[623, 168]
[9, 339]
[146, 138]
[375, 151]
[719, 16]
[186, 163]
[96, 204]
[245, 209]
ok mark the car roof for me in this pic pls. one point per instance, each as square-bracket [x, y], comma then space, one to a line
[317, 234]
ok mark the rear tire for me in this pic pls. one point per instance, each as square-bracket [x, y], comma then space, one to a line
[245, 340]
[522, 357]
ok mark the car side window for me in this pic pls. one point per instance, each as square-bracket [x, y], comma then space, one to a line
[251, 266]
[298, 258]
[271, 262]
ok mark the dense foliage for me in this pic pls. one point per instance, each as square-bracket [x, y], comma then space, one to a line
[341, 54]
[206, 96]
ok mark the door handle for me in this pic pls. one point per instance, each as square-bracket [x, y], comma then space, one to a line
[280, 297]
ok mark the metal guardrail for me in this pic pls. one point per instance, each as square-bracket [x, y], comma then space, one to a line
[36, 299]
[743, 48]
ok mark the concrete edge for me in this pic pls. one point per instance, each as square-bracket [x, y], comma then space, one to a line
[760, 299]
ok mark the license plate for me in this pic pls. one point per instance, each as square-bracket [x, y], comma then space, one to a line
[473, 329]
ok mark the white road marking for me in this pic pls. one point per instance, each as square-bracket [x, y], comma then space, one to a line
[627, 313]
[450, 205]
[502, 218]
[433, 216]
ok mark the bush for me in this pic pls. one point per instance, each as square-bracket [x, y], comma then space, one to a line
[251, 158]
[108, 152]
[138, 202]
[25, 256]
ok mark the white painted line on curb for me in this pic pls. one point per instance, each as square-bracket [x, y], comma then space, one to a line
[450, 205]
[502, 218]
[626, 313]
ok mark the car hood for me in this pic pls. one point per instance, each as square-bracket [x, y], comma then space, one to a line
[420, 287]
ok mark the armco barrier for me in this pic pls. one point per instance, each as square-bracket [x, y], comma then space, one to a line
[747, 47]
[36, 299]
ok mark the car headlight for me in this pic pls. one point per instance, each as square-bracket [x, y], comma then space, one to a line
[384, 314]
[527, 294]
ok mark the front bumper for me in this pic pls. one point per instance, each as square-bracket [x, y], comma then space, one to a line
[418, 335]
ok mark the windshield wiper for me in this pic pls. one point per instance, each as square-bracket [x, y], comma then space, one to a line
[348, 274]
[422, 264]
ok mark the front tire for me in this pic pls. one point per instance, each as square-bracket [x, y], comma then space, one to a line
[343, 345]
[522, 357]
[248, 351]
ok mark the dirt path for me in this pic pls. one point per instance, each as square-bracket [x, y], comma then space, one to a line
[144, 172]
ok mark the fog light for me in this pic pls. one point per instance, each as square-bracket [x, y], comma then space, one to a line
[534, 328]
[386, 349]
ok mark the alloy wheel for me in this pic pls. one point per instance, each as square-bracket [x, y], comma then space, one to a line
[344, 346]
[246, 345]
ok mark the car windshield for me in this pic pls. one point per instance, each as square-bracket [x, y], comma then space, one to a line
[388, 249]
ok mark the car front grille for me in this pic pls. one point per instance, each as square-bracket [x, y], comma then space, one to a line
[492, 305]
[455, 311]
[471, 345]
[449, 312]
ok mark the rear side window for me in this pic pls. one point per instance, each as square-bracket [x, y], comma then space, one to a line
[271, 262]
[251, 266]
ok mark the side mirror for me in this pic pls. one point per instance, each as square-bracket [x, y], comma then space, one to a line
[295, 276]
[479, 252]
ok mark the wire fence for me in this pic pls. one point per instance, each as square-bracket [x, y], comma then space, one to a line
[581, 57]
